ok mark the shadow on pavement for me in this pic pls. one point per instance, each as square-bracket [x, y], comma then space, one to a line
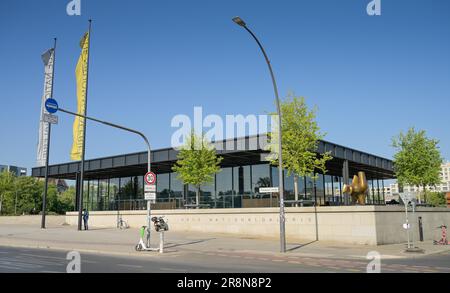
[171, 245]
[300, 246]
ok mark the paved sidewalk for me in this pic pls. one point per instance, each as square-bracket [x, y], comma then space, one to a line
[122, 242]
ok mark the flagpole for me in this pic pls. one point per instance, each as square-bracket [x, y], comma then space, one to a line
[81, 187]
[44, 198]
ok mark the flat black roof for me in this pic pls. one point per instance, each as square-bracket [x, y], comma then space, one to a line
[245, 151]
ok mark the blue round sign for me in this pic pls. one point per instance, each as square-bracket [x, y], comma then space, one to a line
[51, 106]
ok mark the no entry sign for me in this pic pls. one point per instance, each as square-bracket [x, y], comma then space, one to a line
[150, 178]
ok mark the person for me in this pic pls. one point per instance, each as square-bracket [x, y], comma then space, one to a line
[85, 219]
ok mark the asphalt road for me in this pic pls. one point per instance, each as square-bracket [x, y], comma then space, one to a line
[27, 260]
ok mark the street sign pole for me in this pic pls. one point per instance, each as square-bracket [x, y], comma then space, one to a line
[129, 130]
[44, 197]
[149, 201]
[407, 224]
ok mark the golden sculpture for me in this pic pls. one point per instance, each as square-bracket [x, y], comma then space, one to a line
[358, 188]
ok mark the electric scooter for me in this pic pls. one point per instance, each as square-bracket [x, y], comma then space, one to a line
[141, 246]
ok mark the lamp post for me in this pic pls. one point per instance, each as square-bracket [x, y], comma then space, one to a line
[241, 23]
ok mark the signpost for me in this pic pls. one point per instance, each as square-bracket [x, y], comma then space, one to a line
[150, 178]
[51, 106]
[268, 189]
[150, 197]
[410, 198]
[407, 198]
[49, 118]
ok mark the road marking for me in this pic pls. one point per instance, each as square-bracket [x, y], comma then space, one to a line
[19, 264]
[353, 270]
[169, 269]
[277, 260]
[312, 265]
[9, 268]
[50, 272]
[430, 271]
[88, 261]
[130, 266]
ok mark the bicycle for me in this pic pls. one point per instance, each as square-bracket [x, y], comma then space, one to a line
[121, 224]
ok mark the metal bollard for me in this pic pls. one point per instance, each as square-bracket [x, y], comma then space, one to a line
[420, 229]
[161, 242]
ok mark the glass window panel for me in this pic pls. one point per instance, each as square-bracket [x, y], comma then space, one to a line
[289, 186]
[126, 193]
[139, 187]
[177, 190]
[86, 201]
[275, 176]
[301, 187]
[93, 195]
[224, 188]
[320, 192]
[162, 187]
[191, 195]
[309, 188]
[329, 194]
[114, 184]
[208, 194]
[103, 194]
[245, 186]
[260, 178]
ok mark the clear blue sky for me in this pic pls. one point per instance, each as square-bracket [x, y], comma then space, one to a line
[370, 77]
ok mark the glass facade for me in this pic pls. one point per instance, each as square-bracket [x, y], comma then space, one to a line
[232, 187]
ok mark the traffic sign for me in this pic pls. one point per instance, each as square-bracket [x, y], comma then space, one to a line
[150, 196]
[149, 188]
[150, 178]
[51, 106]
[268, 189]
[52, 119]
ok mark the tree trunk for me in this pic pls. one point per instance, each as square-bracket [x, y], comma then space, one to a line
[296, 189]
[418, 188]
[424, 194]
[197, 197]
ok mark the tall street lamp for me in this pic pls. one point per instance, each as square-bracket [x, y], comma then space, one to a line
[241, 23]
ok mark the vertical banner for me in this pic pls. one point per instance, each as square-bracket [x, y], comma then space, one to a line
[81, 77]
[48, 58]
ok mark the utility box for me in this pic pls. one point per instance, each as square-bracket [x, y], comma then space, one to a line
[448, 199]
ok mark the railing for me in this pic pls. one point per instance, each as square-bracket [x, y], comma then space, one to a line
[224, 201]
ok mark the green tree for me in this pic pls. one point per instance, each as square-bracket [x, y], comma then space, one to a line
[437, 199]
[418, 159]
[23, 195]
[29, 193]
[300, 140]
[7, 180]
[197, 163]
[66, 200]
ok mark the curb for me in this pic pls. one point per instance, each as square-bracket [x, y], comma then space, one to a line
[90, 251]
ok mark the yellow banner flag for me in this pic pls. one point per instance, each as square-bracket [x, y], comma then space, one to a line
[81, 73]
